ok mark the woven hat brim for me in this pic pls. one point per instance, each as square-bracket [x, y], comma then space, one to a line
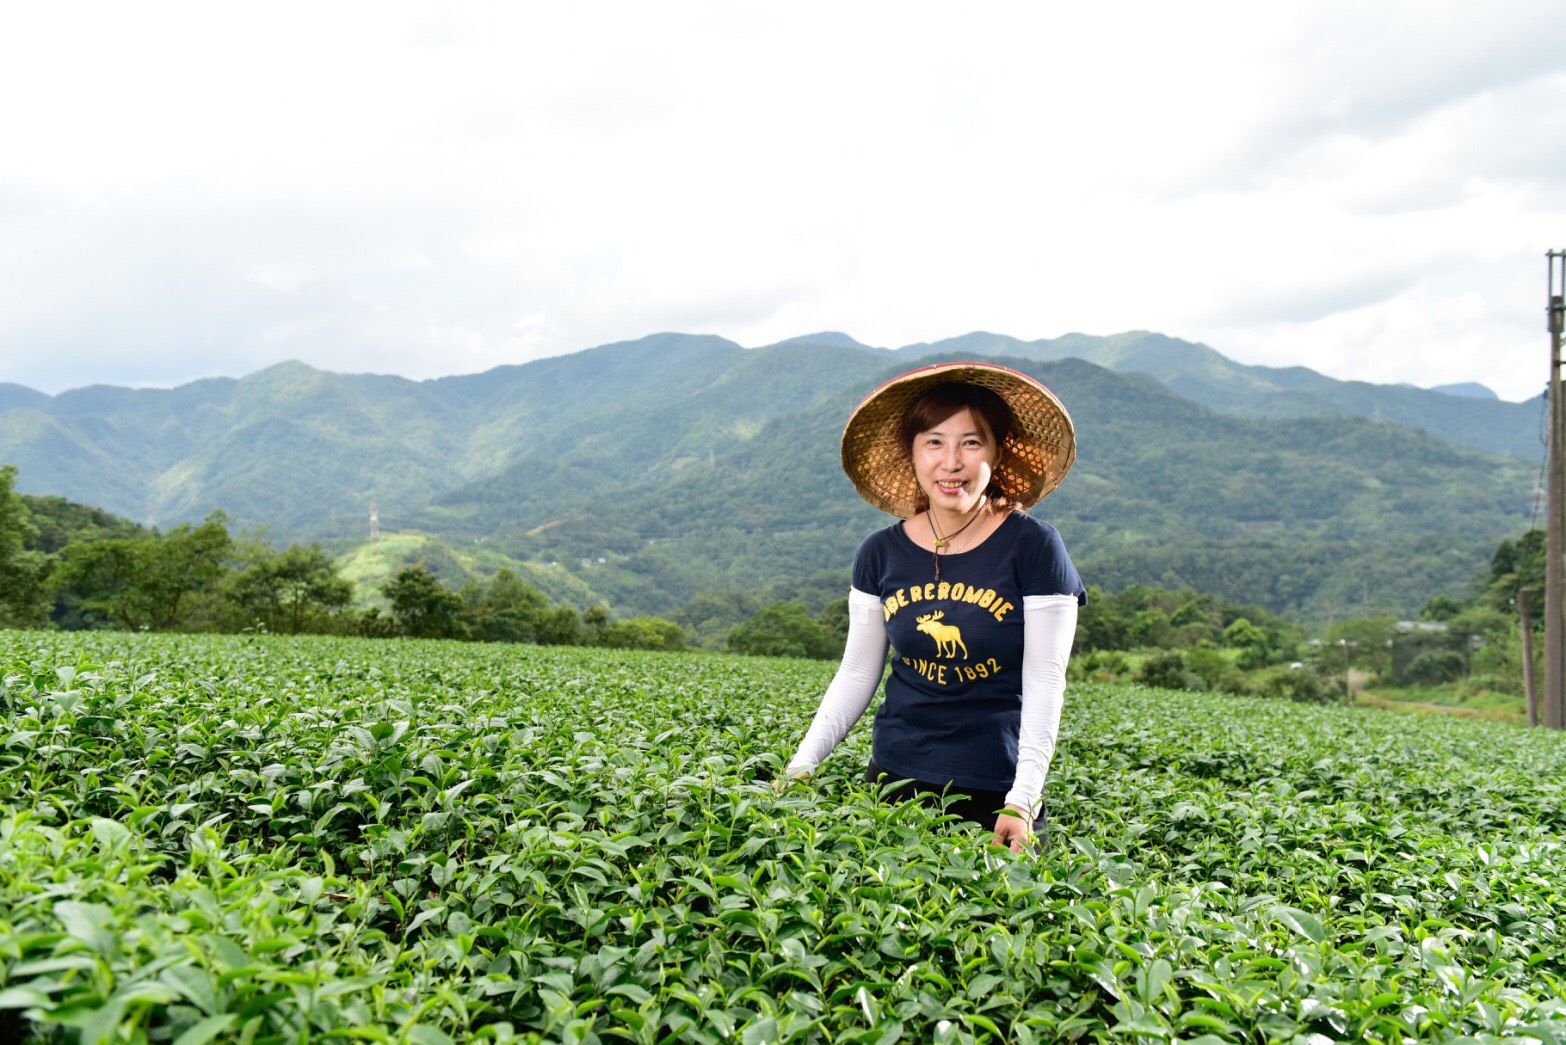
[1034, 461]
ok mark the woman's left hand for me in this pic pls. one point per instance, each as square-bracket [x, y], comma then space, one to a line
[1012, 829]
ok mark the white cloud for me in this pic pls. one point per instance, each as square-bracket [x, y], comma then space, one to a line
[188, 190]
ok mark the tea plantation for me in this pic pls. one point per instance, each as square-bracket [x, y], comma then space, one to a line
[270, 840]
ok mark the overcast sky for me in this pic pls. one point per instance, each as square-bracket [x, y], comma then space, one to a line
[1367, 189]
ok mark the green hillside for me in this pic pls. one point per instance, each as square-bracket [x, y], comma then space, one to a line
[58, 522]
[688, 463]
[1301, 516]
[664, 435]
[305, 453]
[374, 563]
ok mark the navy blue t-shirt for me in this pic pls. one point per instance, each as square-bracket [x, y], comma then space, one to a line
[954, 699]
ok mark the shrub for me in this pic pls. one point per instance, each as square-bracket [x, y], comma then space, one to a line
[1234, 681]
[785, 629]
[1474, 685]
[649, 633]
[1435, 666]
[561, 626]
[1168, 669]
[1300, 684]
[373, 624]
[1252, 658]
[1208, 663]
[1101, 663]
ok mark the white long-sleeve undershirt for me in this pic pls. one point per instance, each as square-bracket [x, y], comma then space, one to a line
[1049, 624]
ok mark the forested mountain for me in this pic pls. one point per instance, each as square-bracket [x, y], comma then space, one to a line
[306, 452]
[1306, 516]
[1478, 421]
[688, 463]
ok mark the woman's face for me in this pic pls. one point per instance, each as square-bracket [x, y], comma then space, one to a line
[953, 462]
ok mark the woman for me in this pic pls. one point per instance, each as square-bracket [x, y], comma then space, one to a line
[977, 598]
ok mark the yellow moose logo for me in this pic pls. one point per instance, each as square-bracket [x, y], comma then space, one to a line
[947, 636]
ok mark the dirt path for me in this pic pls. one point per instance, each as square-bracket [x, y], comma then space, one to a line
[1370, 700]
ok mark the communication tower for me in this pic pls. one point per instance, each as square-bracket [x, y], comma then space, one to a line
[375, 522]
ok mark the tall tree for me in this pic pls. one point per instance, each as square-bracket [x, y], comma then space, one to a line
[1516, 565]
[146, 582]
[506, 610]
[291, 590]
[22, 599]
[424, 607]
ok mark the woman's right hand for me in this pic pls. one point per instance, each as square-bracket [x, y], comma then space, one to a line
[781, 784]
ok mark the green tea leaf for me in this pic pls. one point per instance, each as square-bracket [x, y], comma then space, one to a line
[1301, 922]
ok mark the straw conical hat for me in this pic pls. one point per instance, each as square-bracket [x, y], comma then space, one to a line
[1035, 459]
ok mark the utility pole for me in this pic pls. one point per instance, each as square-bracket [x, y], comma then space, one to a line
[1555, 552]
[1529, 684]
[375, 521]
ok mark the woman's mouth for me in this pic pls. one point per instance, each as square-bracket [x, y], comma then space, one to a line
[950, 485]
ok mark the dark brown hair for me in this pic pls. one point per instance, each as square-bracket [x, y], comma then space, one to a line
[940, 402]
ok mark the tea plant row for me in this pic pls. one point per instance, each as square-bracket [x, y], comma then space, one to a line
[269, 839]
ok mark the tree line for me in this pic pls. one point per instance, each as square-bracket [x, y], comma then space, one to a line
[69, 566]
[1181, 640]
[1478, 643]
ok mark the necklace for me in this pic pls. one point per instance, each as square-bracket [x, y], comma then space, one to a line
[942, 542]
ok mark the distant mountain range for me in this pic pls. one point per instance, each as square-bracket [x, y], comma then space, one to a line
[687, 462]
[1467, 389]
[1204, 376]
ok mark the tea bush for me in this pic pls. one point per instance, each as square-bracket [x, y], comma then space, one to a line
[274, 839]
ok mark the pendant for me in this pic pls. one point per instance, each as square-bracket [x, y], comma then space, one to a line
[940, 544]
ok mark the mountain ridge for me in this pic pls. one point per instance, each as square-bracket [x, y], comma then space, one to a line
[1467, 414]
[691, 460]
[1206, 376]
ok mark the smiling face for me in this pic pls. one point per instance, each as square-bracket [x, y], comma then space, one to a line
[953, 462]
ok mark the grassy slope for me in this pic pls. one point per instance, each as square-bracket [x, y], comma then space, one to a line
[1454, 698]
[372, 564]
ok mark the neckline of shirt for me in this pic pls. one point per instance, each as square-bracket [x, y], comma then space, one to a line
[902, 532]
